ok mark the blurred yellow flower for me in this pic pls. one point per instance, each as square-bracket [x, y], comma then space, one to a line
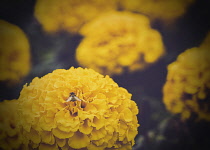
[9, 131]
[69, 15]
[117, 41]
[14, 53]
[166, 10]
[187, 88]
[104, 118]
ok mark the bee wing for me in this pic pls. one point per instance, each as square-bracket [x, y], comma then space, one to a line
[76, 98]
[73, 98]
[69, 99]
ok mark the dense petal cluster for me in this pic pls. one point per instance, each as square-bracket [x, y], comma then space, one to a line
[166, 10]
[9, 131]
[14, 53]
[69, 15]
[105, 118]
[117, 41]
[187, 88]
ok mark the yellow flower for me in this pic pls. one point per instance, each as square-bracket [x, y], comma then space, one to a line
[14, 53]
[103, 117]
[117, 41]
[69, 15]
[9, 131]
[187, 88]
[166, 10]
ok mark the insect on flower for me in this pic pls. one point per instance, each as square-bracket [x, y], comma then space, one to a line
[73, 97]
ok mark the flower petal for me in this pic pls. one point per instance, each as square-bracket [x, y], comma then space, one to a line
[79, 140]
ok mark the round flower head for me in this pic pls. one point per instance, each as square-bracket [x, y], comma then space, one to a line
[9, 131]
[14, 53]
[77, 109]
[69, 15]
[117, 41]
[166, 10]
[187, 88]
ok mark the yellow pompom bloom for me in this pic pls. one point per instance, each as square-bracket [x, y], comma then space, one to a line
[9, 130]
[14, 53]
[100, 116]
[69, 15]
[166, 10]
[187, 88]
[117, 41]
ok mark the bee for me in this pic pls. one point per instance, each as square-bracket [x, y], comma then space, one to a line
[73, 97]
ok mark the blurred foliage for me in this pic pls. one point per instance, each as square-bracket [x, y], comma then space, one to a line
[159, 129]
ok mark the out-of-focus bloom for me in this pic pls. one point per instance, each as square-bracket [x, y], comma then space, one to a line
[105, 118]
[69, 15]
[14, 53]
[166, 10]
[206, 42]
[187, 88]
[117, 41]
[9, 131]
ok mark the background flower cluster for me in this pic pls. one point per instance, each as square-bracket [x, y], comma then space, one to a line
[166, 70]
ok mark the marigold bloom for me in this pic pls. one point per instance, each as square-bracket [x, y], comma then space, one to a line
[166, 10]
[69, 15]
[105, 118]
[14, 53]
[9, 131]
[125, 41]
[187, 88]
